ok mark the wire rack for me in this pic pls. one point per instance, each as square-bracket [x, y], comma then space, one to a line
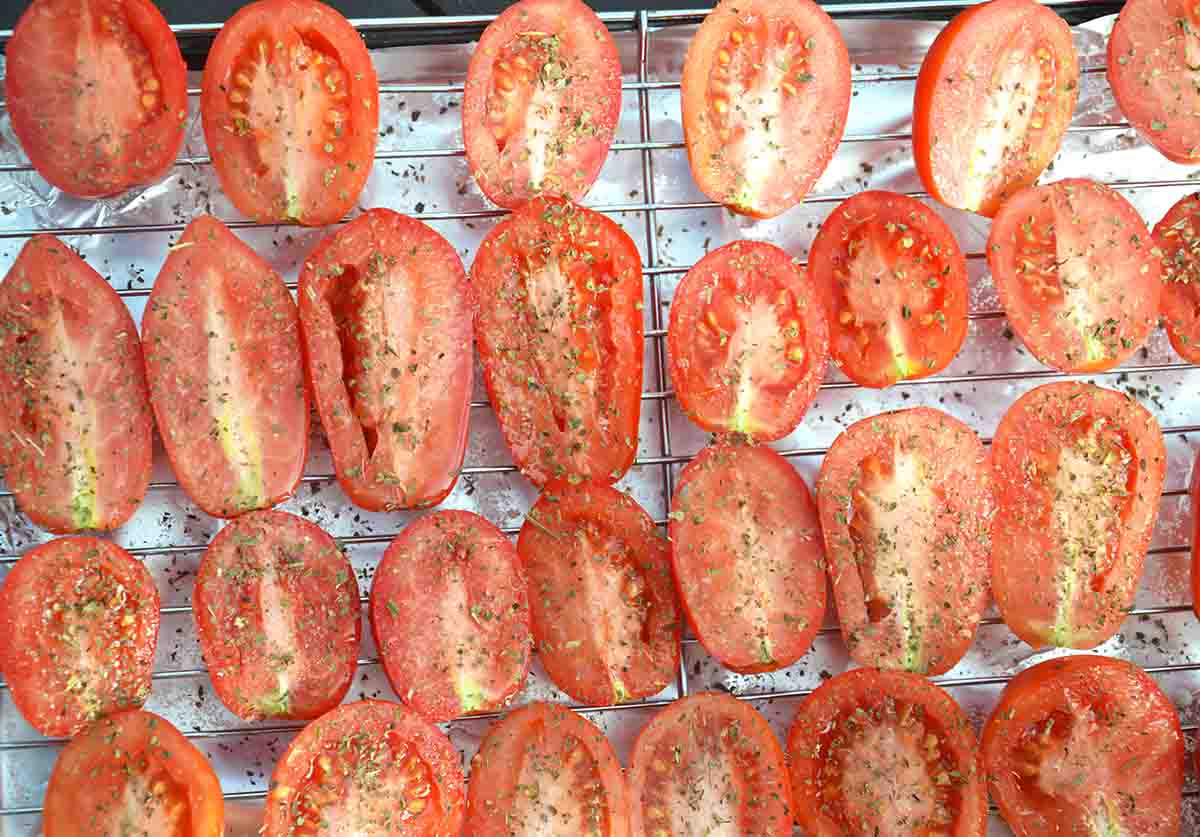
[646, 188]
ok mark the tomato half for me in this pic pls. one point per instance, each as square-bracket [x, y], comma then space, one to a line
[450, 616]
[1078, 473]
[546, 770]
[541, 102]
[747, 341]
[605, 619]
[708, 762]
[1076, 272]
[1086, 745]
[370, 767]
[885, 752]
[559, 320]
[222, 343]
[765, 94]
[133, 773]
[1177, 236]
[994, 98]
[746, 552]
[75, 422]
[290, 105]
[385, 314]
[894, 285]
[906, 506]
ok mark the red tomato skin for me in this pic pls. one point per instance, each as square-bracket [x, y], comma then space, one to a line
[50, 289]
[1176, 236]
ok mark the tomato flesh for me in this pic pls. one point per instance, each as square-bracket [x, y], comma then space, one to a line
[1177, 236]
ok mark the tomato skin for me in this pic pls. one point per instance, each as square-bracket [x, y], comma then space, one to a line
[1176, 235]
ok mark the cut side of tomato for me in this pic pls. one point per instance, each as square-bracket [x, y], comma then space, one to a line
[1177, 236]
[994, 98]
[450, 616]
[559, 321]
[747, 556]
[75, 421]
[1086, 745]
[385, 313]
[765, 95]
[1076, 272]
[605, 619]
[290, 102]
[1078, 474]
[885, 752]
[747, 341]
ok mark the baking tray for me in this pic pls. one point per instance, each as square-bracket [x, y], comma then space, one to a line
[646, 187]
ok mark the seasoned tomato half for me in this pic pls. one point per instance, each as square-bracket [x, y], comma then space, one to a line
[766, 91]
[450, 616]
[75, 420]
[1077, 473]
[906, 505]
[1086, 745]
[290, 103]
[747, 341]
[994, 97]
[885, 752]
[605, 617]
[1177, 237]
[1077, 274]
[746, 551]
[385, 314]
[559, 318]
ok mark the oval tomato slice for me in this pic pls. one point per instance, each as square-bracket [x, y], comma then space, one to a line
[765, 94]
[885, 752]
[386, 320]
[746, 552]
[222, 343]
[75, 422]
[1086, 745]
[994, 98]
[367, 767]
[541, 102]
[906, 506]
[278, 617]
[1078, 473]
[290, 105]
[450, 616]
[546, 770]
[747, 341]
[133, 773]
[894, 285]
[558, 290]
[1076, 273]
[1177, 235]
[605, 619]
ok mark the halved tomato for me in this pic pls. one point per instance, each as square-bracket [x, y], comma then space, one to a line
[906, 504]
[385, 314]
[605, 618]
[290, 104]
[541, 103]
[994, 97]
[370, 767]
[97, 93]
[133, 773]
[546, 770]
[1177, 236]
[748, 342]
[75, 422]
[708, 762]
[1077, 274]
[450, 616]
[558, 290]
[222, 343]
[885, 752]
[746, 552]
[1077, 473]
[765, 94]
[1086, 745]
[894, 285]
[278, 617]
